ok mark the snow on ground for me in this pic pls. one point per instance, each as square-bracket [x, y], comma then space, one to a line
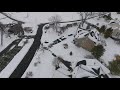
[78, 53]
[50, 36]
[111, 50]
[114, 15]
[45, 69]
[33, 19]
[42, 17]
[41, 65]
[7, 41]
[5, 20]
[7, 71]
[94, 21]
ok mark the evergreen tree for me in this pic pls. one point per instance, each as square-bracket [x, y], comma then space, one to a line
[102, 29]
[108, 33]
[98, 51]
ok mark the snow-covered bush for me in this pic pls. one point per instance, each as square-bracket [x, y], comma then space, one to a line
[117, 42]
[102, 29]
[98, 51]
[62, 29]
[56, 62]
[89, 57]
[29, 74]
[107, 17]
[69, 25]
[17, 29]
[65, 46]
[36, 63]
[42, 48]
[75, 24]
[28, 29]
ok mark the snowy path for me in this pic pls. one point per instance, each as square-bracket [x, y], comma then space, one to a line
[21, 68]
[8, 53]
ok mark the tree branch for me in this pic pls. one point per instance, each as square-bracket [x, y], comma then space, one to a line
[11, 18]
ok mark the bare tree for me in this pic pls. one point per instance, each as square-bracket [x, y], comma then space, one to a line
[55, 22]
[84, 16]
[2, 27]
[87, 15]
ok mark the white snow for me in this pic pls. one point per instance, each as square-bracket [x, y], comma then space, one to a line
[44, 59]
[42, 17]
[111, 50]
[45, 69]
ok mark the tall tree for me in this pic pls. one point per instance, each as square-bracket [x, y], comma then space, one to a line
[2, 26]
[84, 16]
[55, 22]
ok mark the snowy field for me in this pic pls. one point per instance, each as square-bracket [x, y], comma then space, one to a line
[42, 17]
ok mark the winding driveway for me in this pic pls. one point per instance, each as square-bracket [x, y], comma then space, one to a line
[21, 68]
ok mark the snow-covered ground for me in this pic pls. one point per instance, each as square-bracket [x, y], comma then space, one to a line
[111, 50]
[42, 64]
[45, 68]
[42, 17]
